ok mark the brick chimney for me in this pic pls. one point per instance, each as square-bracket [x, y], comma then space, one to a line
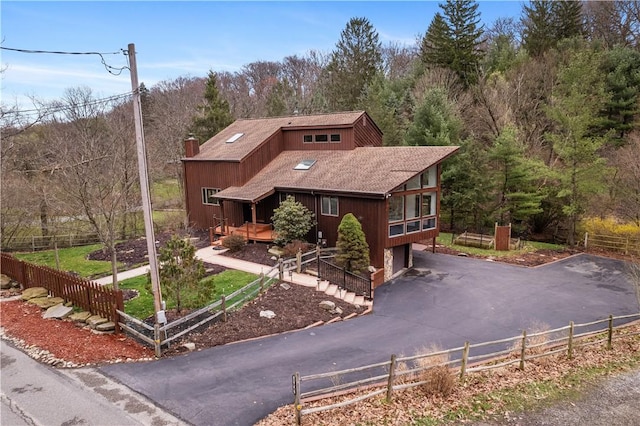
[191, 146]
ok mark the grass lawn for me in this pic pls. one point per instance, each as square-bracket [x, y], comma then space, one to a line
[223, 283]
[71, 259]
[445, 239]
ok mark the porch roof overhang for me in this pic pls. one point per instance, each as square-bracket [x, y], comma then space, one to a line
[362, 172]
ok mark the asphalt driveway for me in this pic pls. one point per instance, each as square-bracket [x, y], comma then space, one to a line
[444, 300]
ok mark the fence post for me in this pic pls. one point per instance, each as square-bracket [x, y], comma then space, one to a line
[156, 340]
[392, 376]
[610, 331]
[586, 240]
[465, 357]
[299, 261]
[523, 349]
[296, 401]
[33, 243]
[261, 282]
[570, 343]
[280, 269]
[318, 266]
[224, 308]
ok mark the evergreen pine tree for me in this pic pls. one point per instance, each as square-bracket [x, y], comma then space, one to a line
[353, 250]
[568, 21]
[453, 40]
[354, 63]
[517, 198]
[435, 122]
[538, 33]
[215, 113]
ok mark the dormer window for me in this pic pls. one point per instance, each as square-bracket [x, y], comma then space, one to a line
[234, 138]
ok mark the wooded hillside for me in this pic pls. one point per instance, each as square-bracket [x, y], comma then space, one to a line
[545, 108]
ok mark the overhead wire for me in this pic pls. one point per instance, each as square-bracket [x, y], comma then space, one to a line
[59, 107]
[110, 69]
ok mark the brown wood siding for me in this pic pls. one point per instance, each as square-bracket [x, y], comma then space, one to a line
[293, 139]
[262, 156]
[372, 215]
[367, 133]
[207, 174]
[233, 213]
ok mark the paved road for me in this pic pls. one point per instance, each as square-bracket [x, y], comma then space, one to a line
[445, 300]
[34, 394]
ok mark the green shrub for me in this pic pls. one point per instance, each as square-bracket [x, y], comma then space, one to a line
[234, 243]
[291, 221]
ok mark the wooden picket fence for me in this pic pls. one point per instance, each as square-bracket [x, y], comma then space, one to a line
[85, 294]
[406, 372]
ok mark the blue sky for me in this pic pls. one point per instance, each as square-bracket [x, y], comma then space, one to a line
[184, 38]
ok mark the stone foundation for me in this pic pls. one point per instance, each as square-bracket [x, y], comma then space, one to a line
[388, 263]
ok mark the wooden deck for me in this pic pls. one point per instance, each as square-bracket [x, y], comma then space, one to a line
[251, 232]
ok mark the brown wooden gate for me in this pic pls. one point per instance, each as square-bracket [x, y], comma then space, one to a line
[502, 237]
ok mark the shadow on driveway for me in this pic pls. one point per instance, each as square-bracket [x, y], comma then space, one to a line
[445, 300]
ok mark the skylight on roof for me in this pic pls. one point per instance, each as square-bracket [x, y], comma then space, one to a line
[235, 137]
[305, 165]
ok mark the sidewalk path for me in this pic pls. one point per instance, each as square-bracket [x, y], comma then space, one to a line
[209, 255]
[136, 272]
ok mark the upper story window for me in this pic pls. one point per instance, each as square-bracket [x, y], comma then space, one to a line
[413, 183]
[329, 206]
[429, 177]
[307, 138]
[335, 138]
[396, 208]
[322, 138]
[209, 196]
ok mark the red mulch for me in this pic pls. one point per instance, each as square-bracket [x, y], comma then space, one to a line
[65, 340]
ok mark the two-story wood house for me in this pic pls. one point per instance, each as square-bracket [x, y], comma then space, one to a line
[333, 164]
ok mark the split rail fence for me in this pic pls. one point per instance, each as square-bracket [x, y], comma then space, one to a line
[85, 294]
[163, 335]
[39, 242]
[406, 372]
[625, 245]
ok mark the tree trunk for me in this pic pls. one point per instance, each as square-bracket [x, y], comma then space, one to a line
[44, 218]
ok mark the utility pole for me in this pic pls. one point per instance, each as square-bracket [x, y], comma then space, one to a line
[144, 187]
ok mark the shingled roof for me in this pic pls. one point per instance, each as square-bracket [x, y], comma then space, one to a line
[256, 131]
[366, 171]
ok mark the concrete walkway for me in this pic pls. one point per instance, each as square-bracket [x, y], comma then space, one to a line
[209, 255]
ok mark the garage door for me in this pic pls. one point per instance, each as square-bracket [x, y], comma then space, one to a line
[399, 258]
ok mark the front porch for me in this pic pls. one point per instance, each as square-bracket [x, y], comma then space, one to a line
[256, 232]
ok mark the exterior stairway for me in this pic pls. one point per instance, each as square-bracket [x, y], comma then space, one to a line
[342, 294]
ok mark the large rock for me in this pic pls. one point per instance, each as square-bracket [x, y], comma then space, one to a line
[80, 316]
[46, 302]
[34, 292]
[106, 326]
[327, 305]
[58, 311]
[267, 314]
[95, 320]
[5, 282]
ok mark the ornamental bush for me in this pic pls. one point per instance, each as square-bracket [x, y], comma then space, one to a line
[353, 250]
[291, 221]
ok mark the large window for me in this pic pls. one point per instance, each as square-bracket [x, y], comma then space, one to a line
[413, 206]
[396, 208]
[329, 206]
[411, 213]
[428, 204]
[209, 196]
[429, 177]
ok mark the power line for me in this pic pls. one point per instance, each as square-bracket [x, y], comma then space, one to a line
[111, 69]
[61, 107]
